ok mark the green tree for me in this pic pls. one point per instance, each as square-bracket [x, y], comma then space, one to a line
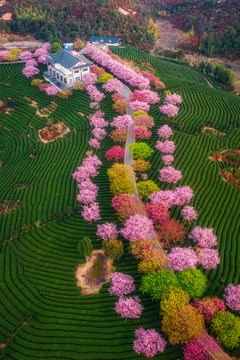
[158, 283]
[55, 47]
[146, 188]
[103, 78]
[85, 247]
[193, 282]
[113, 248]
[226, 327]
[140, 150]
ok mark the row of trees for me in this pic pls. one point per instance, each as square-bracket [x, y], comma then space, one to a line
[219, 72]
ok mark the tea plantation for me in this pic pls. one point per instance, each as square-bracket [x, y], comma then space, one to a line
[43, 315]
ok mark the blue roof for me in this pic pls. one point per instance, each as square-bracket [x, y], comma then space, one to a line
[106, 40]
[67, 59]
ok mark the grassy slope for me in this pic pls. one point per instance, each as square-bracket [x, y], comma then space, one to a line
[37, 275]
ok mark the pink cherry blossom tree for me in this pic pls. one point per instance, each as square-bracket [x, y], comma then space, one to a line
[41, 52]
[85, 172]
[232, 297]
[163, 196]
[91, 212]
[90, 79]
[31, 62]
[196, 349]
[52, 90]
[138, 105]
[137, 227]
[94, 93]
[165, 132]
[116, 153]
[113, 85]
[150, 97]
[42, 59]
[170, 175]
[141, 132]
[209, 307]
[122, 122]
[129, 307]
[158, 212]
[183, 195]
[173, 99]
[148, 342]
[166, 147]
[189, 213]
[30, 71]
[169, 110]
[94, 143]
[98, 122]
[209, 258]
[92, 160]
[25, 55]
[107, 231]
[203, 236]
[167, 159]
[99, 133]
[182, 258]
[121, 284]
[88, 192]
[94, 105]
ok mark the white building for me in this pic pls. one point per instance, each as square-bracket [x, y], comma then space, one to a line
[67, 68]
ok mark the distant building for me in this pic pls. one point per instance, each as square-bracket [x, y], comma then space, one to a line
[66, 68]
[104, 42]
[68, 46]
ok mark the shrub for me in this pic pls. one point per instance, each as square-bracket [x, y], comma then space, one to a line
[157, 212]
[78, 44]
[197, 349]
[193, 281]
[226, 327]
[182, 324]
[85, 246]
[139, 112]
[118, 135]
[113, 248]
[125, 205]
[55, 47]
[171, 232]
[120, 106]
[148, 267]
[143, 120]
[141, 132]
[116, 153]
[141, 165]
[79, 86]
[146, 188]
[103, 78]
[140, 150]
[158, 283]
[173, 300]
[64, 94]
[36, 82]
[209, 307]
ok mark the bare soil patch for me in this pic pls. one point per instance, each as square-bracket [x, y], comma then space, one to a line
[53, 132]
[7, 16]
[213, 131]
[231, 173]
[46, 111]
[91, 280]
[8, 206]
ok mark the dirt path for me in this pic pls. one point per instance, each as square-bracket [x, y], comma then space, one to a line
[23, 44]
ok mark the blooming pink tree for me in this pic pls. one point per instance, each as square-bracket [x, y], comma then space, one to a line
[46, 46]
[99, 133]
[138, 105]
[25, 55]
[166, 147]
[92, 160]
[150, 97]
[141, 132]
[107, 231]
[85, 172]
[163, 196]
[188, 213]
[169, 110]
[98, 122]
[41, 52]
[167, 159]
[113, 85]
[203, 236]
[122, 122]
[183, 195]
[137, 227]
[90, 79]
[121, 284]
[148, 342]
[30, 71]
[91, 212]
[3, 53]
[88, 192]
[232, 297]
[42, 87]
[158, 212]
[42, 59]
[31, 62]
[165, 132]
[129, 307]
[173, 99]
[209, 258]
[116, 153]
[182, 258]
[52, 90]
[196, 349]
[94, 105]
[209, 307]
[94, 143]
[170, 175]
[153, 79]
[144, 120]
[94, 93]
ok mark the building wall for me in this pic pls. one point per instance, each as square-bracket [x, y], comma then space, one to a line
[70, 79]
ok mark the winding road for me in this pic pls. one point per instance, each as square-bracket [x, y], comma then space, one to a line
[204, 338]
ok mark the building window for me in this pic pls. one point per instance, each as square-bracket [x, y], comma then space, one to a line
[78, 78]
[54, 73]
[70, 80]
[64, 80]
[61, 78]
[50, 70]
[57, 76]
[76, 71]
[85, 69]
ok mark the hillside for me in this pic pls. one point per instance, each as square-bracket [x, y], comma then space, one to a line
[214, 24]
[43, 314]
